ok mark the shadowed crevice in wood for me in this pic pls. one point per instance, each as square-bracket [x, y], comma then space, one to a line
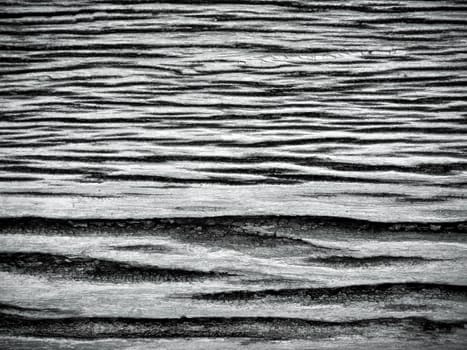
[15, 309]
[97, 270]
[146, 248]
[236, 327]
[385, 292]
[267, 226]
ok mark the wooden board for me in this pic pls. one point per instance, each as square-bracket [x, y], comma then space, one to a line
[250, 174]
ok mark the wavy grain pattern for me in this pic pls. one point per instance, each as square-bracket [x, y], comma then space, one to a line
[302, 281]
[257, 174]
[144, 99]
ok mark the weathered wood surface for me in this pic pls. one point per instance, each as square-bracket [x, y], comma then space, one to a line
[176, 109]
[160, 108]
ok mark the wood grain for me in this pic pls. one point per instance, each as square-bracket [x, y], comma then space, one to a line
[327, 102]
[277, 174]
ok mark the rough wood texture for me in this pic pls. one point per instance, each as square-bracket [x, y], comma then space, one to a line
[159, 108]
[304, 160]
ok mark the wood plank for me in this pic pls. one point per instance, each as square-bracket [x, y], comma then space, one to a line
[257, 174]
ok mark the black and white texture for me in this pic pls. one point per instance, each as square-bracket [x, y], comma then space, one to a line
[253, 174]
